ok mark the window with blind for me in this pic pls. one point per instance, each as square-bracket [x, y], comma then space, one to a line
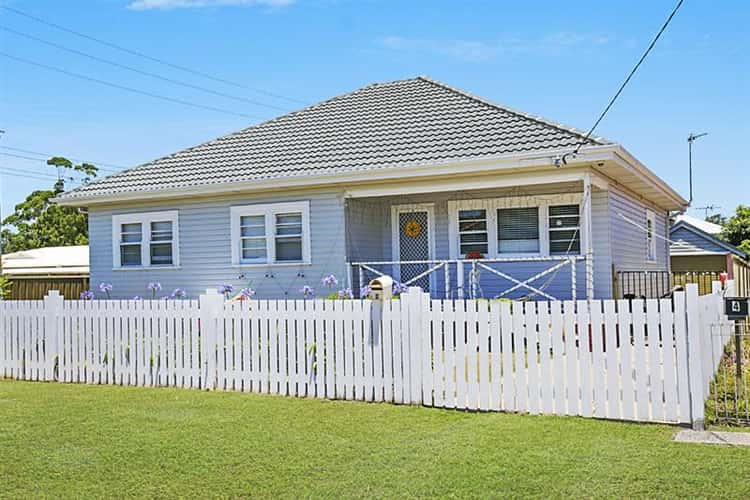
[518, 230]
[270, 234]
[145, 240]
[472, 232]
[564, 229]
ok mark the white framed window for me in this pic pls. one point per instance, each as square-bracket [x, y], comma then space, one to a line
[472, 231]
[145, 240]
[519, 226]
[650, 236]
[564, 229]
[518, 230]
[271, 234]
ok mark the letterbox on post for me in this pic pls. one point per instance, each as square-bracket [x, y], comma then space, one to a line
[381, 288]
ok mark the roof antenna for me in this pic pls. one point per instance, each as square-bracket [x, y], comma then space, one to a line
[691, 139]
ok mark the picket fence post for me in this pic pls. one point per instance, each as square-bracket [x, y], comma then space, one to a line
[695, 357]
[53, 303]
[416, 328]
[210, 304]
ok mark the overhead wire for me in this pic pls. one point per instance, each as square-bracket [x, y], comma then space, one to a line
[129, 89]
[627, 80]
[151, 58]
[43, 160]
[139, 71]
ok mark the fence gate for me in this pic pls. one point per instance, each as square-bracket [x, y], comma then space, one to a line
[729, 397]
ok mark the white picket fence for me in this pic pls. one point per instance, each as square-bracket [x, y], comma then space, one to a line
[641, 360]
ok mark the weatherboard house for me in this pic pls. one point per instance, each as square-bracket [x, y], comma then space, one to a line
[413, 179]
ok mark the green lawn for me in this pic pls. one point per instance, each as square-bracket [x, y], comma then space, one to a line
[78, 440]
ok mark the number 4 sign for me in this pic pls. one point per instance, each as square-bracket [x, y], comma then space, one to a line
[736, 307]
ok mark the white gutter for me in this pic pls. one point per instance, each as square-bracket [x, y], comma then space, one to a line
[400, 172]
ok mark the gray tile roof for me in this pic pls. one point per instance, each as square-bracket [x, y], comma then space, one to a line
[406, 122]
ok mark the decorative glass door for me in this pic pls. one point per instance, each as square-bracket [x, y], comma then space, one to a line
[413, 240]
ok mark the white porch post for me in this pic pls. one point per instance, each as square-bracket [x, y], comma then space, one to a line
[589, 236]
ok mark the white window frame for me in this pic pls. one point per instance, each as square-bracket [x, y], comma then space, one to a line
[145, 219]
[542, 202]
[269, 211]
[651, 240]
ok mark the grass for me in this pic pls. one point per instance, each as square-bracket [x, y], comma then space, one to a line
[65, 440]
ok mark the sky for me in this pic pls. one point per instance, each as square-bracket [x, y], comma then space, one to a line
[255, 59]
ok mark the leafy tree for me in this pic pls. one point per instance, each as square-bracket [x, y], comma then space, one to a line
[37, 222]
[737, 229]
[717, 219]
[5, 284]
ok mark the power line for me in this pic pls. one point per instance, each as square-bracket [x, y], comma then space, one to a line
[632, 72]
[128, 89]
[151, 58]
[47, 156]
[41, 160]
[136, 70]
[29, 175]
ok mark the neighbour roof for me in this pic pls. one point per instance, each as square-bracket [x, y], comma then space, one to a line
[688, 239]
[407, 122]
[50, 260]
[703, 225]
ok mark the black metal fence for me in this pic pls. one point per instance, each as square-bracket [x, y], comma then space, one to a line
[729, 399]
[658, 284]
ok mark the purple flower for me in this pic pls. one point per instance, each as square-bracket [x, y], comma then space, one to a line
[166, 297]
[364, 291]
[226, 288]
[247, 293]
[399, 288]
[307, 291]
[154, 286]
[178, 293]
[346, 293]
[87, 295]
[329, 281]
[106, 288]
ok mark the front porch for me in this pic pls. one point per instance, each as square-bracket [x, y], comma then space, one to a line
[518, 241]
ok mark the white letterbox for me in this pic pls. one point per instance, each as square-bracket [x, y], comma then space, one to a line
[381, 288]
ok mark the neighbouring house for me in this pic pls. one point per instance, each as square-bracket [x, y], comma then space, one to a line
[696, 248]
[34, 272]
[412, 178]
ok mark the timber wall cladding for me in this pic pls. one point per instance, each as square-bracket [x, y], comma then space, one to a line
[624, 360]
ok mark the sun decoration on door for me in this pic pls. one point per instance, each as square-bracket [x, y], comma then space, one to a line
[413, 229]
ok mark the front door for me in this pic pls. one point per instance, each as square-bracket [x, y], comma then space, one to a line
[413, 241]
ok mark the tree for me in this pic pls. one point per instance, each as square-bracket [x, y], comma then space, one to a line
[717, 219]
[37, 222]
[737, 229]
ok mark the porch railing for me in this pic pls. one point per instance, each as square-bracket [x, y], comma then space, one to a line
[463, 278]
[659, 284]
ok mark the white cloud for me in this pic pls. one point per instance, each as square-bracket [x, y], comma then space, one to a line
[193, 4]
[477, 50]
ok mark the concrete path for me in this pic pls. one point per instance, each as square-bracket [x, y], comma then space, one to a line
[713, 437]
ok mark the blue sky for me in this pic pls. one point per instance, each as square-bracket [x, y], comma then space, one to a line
[559, 60]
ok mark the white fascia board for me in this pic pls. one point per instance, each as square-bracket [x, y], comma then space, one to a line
[627, 160]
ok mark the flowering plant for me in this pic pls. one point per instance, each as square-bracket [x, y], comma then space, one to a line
[87, 295]
[364, 291]
[329, 281]
[225, 289]
[106, 288]
[307, 291]
[178, 293]
[346, 293]
[247, 293]
[399, 288]
[154, 286]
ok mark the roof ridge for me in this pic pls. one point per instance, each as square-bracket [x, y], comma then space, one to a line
[545, 121]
